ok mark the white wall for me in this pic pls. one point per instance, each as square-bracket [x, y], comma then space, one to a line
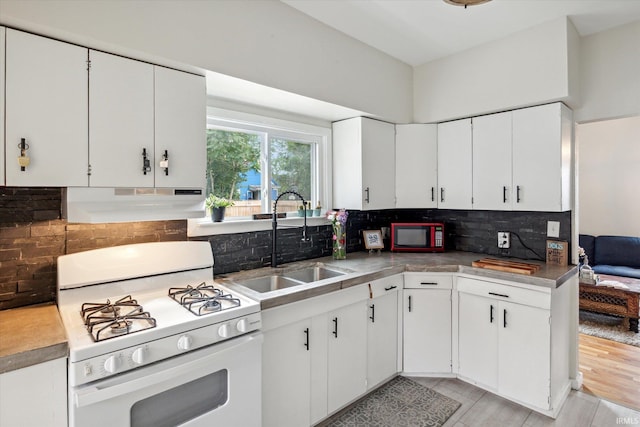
[530, 67]
[265, 42]
[609, 177]
[610, 74]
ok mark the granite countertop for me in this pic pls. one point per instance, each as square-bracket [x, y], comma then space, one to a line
[364, 266]
[30, 335]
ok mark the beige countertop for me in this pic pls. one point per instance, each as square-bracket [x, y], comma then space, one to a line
[30, 335]
[364, 266]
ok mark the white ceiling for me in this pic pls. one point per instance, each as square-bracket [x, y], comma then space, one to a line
[419, 31]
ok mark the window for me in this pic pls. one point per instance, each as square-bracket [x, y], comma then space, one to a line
[252, 164]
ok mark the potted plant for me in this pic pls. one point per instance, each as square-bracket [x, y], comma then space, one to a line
[217, 206]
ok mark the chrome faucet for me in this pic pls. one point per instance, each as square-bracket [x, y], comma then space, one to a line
[274, 234]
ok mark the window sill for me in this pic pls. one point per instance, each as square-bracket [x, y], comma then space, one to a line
[197, 227]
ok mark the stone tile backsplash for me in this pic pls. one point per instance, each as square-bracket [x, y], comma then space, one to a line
[33, 235]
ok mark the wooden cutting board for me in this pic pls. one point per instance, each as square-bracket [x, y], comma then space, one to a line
[508, 266]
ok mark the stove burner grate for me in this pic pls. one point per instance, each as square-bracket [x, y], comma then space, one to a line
[104, 320]
[203, 299]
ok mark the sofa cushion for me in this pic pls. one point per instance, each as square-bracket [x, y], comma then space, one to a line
[617, 270]
[588, 243]
[618, 250]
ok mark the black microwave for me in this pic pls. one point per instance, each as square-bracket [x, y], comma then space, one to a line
[417, 237]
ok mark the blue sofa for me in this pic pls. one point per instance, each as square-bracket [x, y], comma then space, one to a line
[614, 255]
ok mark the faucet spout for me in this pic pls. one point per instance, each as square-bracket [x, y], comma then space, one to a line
[274, 225]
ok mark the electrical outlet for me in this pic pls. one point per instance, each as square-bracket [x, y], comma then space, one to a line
[504, 239]
[553, 229]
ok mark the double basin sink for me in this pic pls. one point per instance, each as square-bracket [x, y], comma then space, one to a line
[287, 279]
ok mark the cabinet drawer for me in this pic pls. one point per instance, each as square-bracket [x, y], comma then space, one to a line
[427, 281]
[504, 292]
[385, 286]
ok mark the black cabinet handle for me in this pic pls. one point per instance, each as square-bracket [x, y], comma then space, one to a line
[504, 194]
[498, 295]
[335, 327]
[433, 194]
[442, 194]
[373, 313]
[146, 163]
[390, 287]
[366, 198]
[504, 318]
[517, 194]
[491, 314]
[429, 283]
[409, 303]
[23, 160]
[164, 163]
[306, 338]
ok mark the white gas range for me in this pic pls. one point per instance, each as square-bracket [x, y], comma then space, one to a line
[153, 340]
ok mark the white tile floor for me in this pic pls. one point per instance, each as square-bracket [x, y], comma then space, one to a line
[482, 408]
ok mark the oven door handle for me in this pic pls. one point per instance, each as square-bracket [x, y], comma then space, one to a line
[167, 378]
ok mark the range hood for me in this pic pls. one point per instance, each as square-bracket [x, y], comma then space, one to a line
[95, 205]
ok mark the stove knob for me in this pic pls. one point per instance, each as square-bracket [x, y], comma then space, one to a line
[112, 364]
[139, 356]
[242, 325]
[184, 342]
[223, 331]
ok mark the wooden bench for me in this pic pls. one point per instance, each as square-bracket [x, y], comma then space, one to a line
[611, 300]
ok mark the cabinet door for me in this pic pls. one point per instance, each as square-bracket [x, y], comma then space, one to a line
[35, 396]
[347, 164]
[378, 164]
[524, 353]
[427, 331]
[454, 164]
[416, 166]
[541, 156]
[382, 338]
[120, 121]
[180, 128]
[346, 362]
[286, 376]
[46, 104]
[478, 339]
[492, 162]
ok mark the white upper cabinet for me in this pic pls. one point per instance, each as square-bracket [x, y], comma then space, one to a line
[180, 129]
[542, 158]
[2, 45]
[454, 164]
[417, 166]
[46, 105]
[363, 164]
[121, 122]
[492, 162]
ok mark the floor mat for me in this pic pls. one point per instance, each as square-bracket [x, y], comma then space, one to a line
[400, 402]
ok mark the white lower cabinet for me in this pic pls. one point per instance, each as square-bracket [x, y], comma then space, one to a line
[35, 396]
[510, 344]
[382, 331]
[427, 323]
[346, 355]
[286, 375]
[316, 352]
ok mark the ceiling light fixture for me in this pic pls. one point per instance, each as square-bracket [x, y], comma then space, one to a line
[466, 3]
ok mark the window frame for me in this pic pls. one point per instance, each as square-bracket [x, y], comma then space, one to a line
[299, 131]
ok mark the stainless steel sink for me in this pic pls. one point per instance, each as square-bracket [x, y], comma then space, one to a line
[313, 274]
[269, 283]
[287, 279]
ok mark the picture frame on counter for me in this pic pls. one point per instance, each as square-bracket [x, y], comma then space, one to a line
[372, 239]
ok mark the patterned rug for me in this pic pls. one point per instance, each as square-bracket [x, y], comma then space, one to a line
[400, 402]
[608, 327]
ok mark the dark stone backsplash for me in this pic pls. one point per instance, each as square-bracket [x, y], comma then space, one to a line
[33, 235]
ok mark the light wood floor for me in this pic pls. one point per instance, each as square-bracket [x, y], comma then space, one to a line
[611, 370]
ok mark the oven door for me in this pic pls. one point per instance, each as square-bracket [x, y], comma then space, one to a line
[216, 385]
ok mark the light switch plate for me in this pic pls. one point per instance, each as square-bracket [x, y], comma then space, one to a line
[553, 229]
